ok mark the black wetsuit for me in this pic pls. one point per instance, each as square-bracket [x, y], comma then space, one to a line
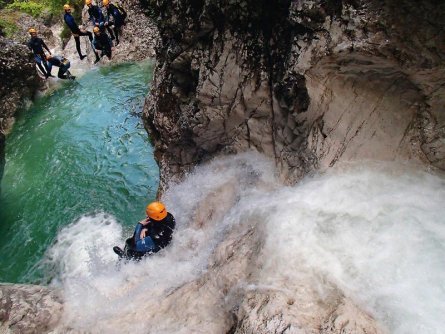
[158, 235]
[37, 44]
[63, 65]
[98, 19]
[96, 15]
[161, 231]
[118, 19]
[71, 23]
[102, 42]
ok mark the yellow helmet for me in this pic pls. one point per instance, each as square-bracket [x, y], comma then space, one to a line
[105, 2]
[96, 29]
[156, 211]
[65, 7]
[88, 2]
[32, 31]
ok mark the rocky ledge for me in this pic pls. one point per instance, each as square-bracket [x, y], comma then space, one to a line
[309, 83]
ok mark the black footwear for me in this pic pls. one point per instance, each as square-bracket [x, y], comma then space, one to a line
[82, 57]
[118, 251]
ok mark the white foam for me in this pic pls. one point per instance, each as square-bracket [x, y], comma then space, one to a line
[376, 230]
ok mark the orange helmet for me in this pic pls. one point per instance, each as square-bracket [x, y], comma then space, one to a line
[32, 31]
[88, 2]
[156, 211]
[105, 2]
[96, 29]
[66, 7]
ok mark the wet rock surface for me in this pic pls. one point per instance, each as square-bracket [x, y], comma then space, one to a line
[309, 83]
[29, 308]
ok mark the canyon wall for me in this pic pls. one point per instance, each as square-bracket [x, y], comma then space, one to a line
[309, 83]
[18, 83]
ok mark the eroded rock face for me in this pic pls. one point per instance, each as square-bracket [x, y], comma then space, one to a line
[18, 83]
[310, 83]
[29, 308]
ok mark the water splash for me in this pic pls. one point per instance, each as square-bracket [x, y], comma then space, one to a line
[375, 231]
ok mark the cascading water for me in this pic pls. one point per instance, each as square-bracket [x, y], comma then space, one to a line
[78, 151]
[373, 231]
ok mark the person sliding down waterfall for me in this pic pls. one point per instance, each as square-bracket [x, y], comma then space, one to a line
[150, 235]
[76, 31]
[63, 64]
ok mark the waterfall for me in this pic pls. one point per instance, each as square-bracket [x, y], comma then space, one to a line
[371, 231]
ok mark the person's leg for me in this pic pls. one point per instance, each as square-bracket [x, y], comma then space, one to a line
[96, 48]
[108, 53]
[116, 33]
[44, 62]
[79, 51]
[60, 74]
[43, 69]
[110, 32]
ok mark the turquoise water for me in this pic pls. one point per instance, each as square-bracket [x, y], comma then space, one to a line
[80, 150]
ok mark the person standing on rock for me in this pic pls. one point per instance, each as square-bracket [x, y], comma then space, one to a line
[97, 17]
[118, 18]
[151, 234]
[76, 31]
[102, 42]
[36, 45]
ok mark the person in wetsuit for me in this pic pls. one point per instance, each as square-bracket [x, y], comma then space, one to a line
[97, 17]
[63, 64]
[36, 45]
[102, 42]
[151, 234]
[76, 31]
[117, 21]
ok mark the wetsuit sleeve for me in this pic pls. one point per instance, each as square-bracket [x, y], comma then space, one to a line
[137, 232]
[44, 45]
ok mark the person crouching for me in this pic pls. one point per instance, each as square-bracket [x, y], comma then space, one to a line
[102, 42]
[62, 63]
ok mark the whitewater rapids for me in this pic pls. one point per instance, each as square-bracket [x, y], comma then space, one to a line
[246, 246]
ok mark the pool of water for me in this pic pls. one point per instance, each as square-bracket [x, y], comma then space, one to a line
[80, 150]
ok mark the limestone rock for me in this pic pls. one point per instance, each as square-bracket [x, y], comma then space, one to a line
[310, 83]
[18, 83]
[29, 308]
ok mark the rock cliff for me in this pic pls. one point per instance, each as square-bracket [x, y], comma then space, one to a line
[309, 83]
[18, 83]
[19, 80]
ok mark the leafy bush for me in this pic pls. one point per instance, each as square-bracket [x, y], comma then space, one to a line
[36, 7]
[7, 24]
[30, 7]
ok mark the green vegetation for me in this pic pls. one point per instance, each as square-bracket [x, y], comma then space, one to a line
[37, 7]
[30, 7]
[7, 23]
